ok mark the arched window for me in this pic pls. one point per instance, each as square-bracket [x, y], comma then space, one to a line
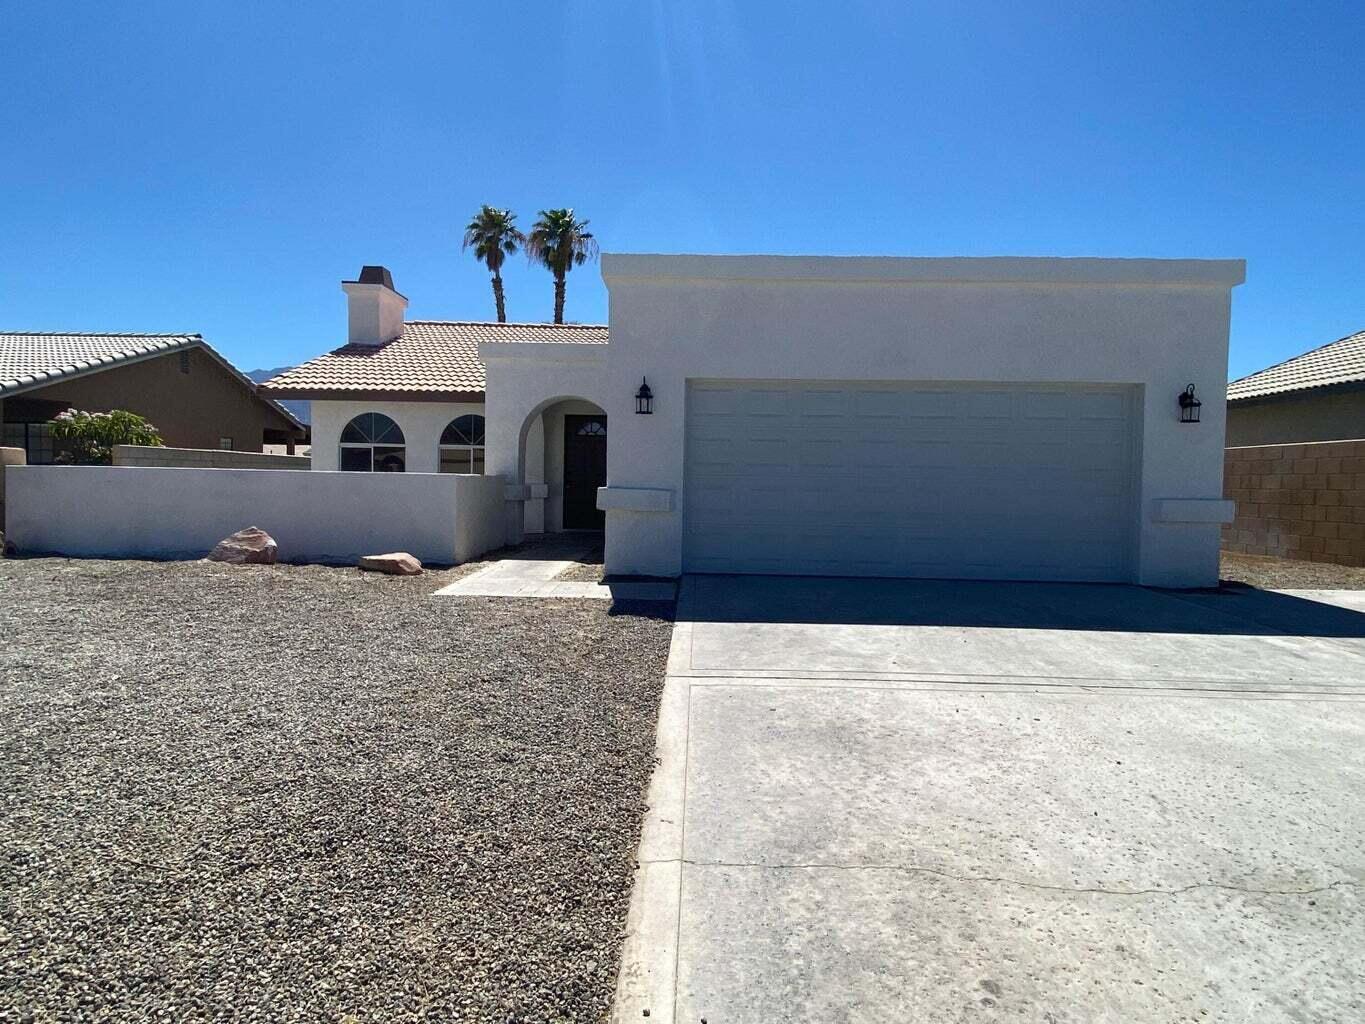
[462, 445]
[373, 443]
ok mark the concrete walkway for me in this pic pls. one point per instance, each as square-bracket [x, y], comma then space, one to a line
[895, 801]
[532, 572]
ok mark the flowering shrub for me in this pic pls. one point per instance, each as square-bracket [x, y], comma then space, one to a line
[89, 437]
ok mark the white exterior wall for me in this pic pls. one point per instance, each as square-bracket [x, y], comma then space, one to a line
[137, 512]
[523, 382]
[1156, 324]
[421, 423]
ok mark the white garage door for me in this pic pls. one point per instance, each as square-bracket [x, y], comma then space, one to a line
[874, 479]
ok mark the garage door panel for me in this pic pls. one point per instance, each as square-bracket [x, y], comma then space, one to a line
[881, 405]
[766, 403]
[984, 481]
[1103, 405]
[706, 402]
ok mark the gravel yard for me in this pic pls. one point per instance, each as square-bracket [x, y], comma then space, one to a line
[312, 794]
[587, 568]
[1271, 573]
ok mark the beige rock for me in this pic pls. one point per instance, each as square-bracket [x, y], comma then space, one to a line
[252, 546]
[395, 563]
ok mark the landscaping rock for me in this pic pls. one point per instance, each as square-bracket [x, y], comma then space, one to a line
[289, 802]
[395, 563]
[252, 546]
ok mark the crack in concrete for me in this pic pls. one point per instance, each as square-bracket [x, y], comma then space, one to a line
[968, 879]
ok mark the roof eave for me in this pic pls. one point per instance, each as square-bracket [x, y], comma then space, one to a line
[1357, 384]
[84, 367]
[323, 394]
[906, 270]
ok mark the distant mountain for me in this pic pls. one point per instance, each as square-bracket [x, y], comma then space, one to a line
[301, 409]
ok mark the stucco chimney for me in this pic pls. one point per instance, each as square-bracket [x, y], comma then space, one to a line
[375, 309]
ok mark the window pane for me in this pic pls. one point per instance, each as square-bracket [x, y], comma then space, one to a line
[454, 460]
[372, 427]
[389, 460]
[463, 430]
[478, 460]
[386, 430]
[40, 446]
[355, 460]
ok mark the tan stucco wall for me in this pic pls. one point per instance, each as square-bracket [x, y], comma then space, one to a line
[191, 410]
[1302, 501]
[8, 457]
[1304, 416]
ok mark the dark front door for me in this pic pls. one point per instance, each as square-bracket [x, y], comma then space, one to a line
[585, 470]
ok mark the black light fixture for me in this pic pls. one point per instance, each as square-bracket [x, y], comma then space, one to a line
[1189, 405]
[644, 399]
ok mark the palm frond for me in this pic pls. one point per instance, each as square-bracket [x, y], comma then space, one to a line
[560, 241]
[493, 234]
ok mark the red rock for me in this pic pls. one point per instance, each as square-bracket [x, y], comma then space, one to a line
[252, 546]
[396, 563]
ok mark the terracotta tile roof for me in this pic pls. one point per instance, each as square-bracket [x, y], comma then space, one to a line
[431, 358]
[1340, 362]
[34, 359]
[31, 358]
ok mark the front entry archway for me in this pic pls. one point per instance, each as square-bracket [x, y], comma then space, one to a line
[563, 456]
[585, 470]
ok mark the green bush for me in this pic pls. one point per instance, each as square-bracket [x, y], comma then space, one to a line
[88, 438]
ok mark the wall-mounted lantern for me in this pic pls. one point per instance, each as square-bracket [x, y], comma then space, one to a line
[1189, 406]
[644, 399]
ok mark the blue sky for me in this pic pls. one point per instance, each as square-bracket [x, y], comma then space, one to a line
[221, 167]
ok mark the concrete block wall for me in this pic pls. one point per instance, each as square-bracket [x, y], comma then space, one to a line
[204, 458]
[1300, 501]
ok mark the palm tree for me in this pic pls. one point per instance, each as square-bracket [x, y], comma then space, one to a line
[494, 236]
[559, 242]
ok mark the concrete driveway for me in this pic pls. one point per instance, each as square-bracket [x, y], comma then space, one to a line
[896, 801]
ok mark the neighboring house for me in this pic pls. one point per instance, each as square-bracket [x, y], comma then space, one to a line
[191, 394]
[299, 410]
[1007, 418]
[1317, 396]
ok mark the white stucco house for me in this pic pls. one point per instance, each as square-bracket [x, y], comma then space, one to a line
[992, 418]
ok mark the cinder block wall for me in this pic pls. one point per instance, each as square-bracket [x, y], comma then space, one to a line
[1302, 501]
[204, 458]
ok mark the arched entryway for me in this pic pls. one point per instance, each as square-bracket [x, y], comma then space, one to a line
[564, 447]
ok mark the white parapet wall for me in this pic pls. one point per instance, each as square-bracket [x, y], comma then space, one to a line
[140, 512]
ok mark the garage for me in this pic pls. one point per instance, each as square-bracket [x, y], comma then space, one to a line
[880, 478]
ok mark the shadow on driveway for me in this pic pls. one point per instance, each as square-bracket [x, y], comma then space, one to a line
[1231, 610]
